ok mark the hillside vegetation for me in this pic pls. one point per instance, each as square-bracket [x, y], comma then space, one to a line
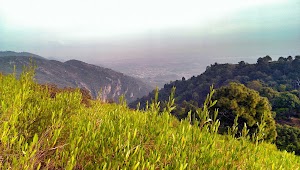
[38, 131]
[273, 79]
[277, 81]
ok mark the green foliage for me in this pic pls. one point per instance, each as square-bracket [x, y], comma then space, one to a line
[170, 104]
[204, 113]
[237, 101]
[155, 104]
[279, 81]
[31, 121]
[255, 85]
[287, 101]
[40, 132]
[288, 138]
[279, 76]
[232, 131]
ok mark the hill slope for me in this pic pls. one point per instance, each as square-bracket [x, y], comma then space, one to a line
[75, 73]
[279, 81]
[37, 131]
[281, 76]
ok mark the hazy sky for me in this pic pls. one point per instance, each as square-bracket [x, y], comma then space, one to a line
[100, 30]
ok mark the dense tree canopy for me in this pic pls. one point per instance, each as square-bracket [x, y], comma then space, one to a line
[288, 138]
[238, 100]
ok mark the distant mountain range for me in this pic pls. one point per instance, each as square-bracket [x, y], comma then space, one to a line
[74, 73]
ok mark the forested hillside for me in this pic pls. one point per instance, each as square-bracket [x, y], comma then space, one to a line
[282, 76]
[278, 81]
[40, 131]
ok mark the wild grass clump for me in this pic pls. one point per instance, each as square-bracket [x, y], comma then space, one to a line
[38, 131]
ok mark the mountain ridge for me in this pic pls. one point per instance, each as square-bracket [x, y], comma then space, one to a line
[19, 54]
[75, 73]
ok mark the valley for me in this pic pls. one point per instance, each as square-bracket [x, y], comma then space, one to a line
[160, 71]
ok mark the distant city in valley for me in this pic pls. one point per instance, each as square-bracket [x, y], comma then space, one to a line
[158, 72]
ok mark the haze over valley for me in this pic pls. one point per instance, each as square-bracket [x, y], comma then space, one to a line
[152, 32]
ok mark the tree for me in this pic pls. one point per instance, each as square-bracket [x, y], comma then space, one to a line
[264, 60]
[255, 85]
[289, 58]
[252, 109]
[268, 58]
[287, 101]
[281, 59]
[288, 138]
[268, 92]
[242, 63]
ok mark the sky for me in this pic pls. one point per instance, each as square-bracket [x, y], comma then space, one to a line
[108, 30]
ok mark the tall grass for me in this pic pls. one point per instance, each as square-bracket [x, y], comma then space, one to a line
[40, 132]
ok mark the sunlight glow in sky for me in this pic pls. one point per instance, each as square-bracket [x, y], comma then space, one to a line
[112, 27]
[92, 18]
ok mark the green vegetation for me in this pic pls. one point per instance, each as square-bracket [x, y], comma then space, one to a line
[236, 100]
[288, 138]
[38, 131]
[279, 81]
